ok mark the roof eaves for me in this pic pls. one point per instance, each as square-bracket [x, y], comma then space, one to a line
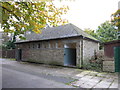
[84, 34]
[46, 39]
[91, 39]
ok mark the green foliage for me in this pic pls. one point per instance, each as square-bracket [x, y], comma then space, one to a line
[9, 45]
[20, 17]
[106, 32]
[116, 19]
[91, 32]
[30, 16]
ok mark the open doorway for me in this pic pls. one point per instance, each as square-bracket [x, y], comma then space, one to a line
[70, 54]
[19, 55]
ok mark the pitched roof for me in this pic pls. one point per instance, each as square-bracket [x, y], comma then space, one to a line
[63, 31]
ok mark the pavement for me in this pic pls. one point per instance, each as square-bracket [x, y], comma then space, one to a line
[71, 77]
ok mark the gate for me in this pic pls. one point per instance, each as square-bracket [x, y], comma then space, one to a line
[117, 58]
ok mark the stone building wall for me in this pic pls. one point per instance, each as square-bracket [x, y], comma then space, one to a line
[43, 52]
[89, 50]
[48, 56]
[49, 52]
[52, 51]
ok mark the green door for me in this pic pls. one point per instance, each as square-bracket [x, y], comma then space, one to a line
[69, 57]
[117, 58]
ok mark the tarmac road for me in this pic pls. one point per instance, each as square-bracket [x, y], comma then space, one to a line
[17, 77]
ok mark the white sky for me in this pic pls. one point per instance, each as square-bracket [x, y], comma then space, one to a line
[89, 13]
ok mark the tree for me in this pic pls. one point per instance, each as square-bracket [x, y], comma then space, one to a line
[19, 17]
[91, 32]
[116, 21]
[116, 18]
[106, 32]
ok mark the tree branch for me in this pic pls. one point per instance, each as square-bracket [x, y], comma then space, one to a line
[10, 12]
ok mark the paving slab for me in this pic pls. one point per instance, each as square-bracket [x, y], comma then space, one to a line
[114, 84]
[97, 78]
[89, 84]
[78, 83]
[102, 75]
[82, 74]
[102, 84]
[88, 76]
[93, 73]
[108, 80]
[112, 75]
[86, 85]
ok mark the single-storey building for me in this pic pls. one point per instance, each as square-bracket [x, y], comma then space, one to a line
[65, 45]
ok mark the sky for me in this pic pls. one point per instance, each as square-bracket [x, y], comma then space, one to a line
[88, 13]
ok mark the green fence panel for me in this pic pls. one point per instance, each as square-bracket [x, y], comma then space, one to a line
[117, 58]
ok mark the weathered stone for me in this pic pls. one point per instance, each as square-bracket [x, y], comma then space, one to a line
[114, 85]
[103, 84]
[89, 51]
[51, 53]
[108, 66]
[84, 73]
[88, 84]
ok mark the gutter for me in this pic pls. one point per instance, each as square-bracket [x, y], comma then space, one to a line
[56, 39]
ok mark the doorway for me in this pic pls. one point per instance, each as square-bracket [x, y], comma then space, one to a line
[70, 54]
[19, 55]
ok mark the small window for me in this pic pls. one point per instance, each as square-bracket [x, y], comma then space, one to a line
[33, 45]
[42, 45]
[53, 45]
[56, 45]
[29, 46]
[39, 45]
[49, 46]
[45, 44]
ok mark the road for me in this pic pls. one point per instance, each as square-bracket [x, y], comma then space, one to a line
[16, 76]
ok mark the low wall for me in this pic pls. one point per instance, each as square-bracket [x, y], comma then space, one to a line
[108, 66]
[7, 53]
[107, 63]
